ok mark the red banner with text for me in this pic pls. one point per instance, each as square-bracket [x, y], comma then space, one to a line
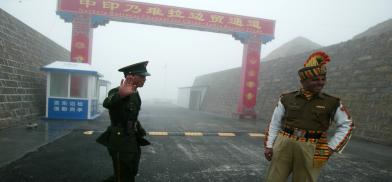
[169, 16]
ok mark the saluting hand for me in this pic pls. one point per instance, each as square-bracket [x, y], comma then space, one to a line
[127, 86]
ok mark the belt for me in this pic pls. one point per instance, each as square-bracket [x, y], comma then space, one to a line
[300, 133]
[121, 131]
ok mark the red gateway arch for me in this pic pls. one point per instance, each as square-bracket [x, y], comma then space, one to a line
[251, 32]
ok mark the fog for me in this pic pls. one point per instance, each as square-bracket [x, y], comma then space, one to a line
[177, 56]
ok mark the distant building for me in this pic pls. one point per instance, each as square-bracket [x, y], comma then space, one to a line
[191, 97]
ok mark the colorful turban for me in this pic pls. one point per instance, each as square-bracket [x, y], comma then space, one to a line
[314, 66]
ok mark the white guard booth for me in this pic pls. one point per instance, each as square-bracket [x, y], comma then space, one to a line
[72, 91]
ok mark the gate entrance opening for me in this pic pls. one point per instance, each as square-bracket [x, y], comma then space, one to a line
[250, 31]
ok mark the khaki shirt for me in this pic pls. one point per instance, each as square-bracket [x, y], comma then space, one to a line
[313, 114]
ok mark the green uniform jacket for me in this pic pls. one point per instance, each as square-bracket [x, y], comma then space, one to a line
[123, 112]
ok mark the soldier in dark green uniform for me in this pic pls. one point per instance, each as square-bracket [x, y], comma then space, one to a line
[296, 140]
[125, 134]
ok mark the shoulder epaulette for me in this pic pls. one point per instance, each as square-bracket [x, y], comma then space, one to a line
[113, 90]
[288, 93]
[327, 95]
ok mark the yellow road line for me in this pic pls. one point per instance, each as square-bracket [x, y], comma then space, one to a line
[226, 134]
[88, 132]
[164, 133]
[157, 133]
[193, 134]
[256, 135]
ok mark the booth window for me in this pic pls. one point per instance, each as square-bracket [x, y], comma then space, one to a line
[59, 84]
[79, 84]
[95, 86]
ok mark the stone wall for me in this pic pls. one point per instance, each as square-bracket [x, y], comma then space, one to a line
[22, 85]
[360, 73]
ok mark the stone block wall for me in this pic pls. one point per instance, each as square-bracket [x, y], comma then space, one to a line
[22, 85]
[360, 73]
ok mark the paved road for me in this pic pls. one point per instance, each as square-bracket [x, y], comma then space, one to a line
[76, 157]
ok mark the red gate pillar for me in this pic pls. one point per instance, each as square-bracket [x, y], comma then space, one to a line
[249, 77]
[82, 36]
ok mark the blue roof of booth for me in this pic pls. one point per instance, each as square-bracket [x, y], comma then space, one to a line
[62, 66]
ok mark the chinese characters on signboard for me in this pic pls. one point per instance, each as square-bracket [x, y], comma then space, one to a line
[67, 108]
[168, 14]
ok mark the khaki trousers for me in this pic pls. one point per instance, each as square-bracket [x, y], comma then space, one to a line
[292, 156]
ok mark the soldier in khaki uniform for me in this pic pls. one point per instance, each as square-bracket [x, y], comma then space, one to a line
[296, 140]
[125, 134]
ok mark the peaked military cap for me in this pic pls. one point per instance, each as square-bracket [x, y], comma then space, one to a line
[137, 69]
[314, 66]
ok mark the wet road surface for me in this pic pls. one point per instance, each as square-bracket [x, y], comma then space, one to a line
[76, 156]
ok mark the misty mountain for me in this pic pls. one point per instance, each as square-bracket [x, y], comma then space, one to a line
[295, 46]
[378, 29]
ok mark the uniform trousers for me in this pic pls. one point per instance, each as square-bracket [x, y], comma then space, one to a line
[292, 156]
[125, 164]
